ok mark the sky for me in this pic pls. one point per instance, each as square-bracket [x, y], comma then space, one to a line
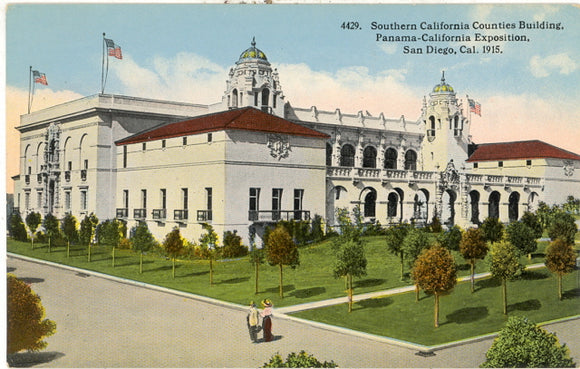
[183, 52]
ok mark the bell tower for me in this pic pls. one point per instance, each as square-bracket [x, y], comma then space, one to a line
[447, 130]
[252, 82]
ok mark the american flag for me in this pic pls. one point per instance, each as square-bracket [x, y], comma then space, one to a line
[39, 77]
[474, 107]
[113, 49]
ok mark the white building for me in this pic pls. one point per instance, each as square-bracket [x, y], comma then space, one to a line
[252, 159]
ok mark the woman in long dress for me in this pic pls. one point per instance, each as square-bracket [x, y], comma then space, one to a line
[267, 320]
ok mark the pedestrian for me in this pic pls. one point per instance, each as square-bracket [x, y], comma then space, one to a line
[267, 320]
[252, 319]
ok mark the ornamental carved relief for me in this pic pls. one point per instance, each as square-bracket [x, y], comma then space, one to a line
[279, 146]
[568, 168]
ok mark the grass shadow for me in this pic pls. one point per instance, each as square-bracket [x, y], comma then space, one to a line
[196, 274]
[286, 288]
[28, 359]
[235, 280]
[527, 305]
[464, 267]
[165, 267]
[468, 315]
[308, 292]
[371, 282]
[533, 275]
[373, 303]
[134, 263]
[487, 283]
[571, 294]
[32, 280]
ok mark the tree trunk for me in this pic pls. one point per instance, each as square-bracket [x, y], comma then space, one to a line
[141, 262]
[504, 289]
[49, 244]
[89, 254]
[402, 266]
[417, 293]
[472, 275]
[32, 240]
[67, 249]
[281, 282]
[257, 277]
[173, 268]
[560, 287]
[211, 271]
[436, 310]
[350, 292]
[113, 256]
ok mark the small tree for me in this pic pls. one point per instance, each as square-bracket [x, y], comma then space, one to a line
[33, 220]
[257, 258]
[473, 247]
[300, 360]
[492, 229]
[317, 230]
[522, 344]
[87, 232]
[70, 230]
[51, 228]
[142, 240]
[522, 237]
[435, 225]
[209, 243]
[173, 245]
[395, 236]
[563, 226]
[435, 272]
[350, 262]
[17, 228]
[533, 221]
[281, 250]
[451, 238]
[233, 246]
[416, 241]
[504, 264]
[27, 325]
[560, 260]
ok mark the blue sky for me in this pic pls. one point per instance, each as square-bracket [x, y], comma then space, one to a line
[183, 52]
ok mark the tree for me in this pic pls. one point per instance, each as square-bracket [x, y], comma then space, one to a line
[545, 214]
[142, 240]
[317, 230]
[300, 360]
[533, 221]
[257, 258]
[492, 229]
[435, 272]
[560, 260]
[209, 243]
[70, 230]
[87, 232]
[473, 247]
[395, 236]
[563, 226]
[522, 237]
[33, 220]
[27, 325]
[522, 344]
[504, 264]
[233, 246]
[51, 228]
[110, 232]
[281, 250]
[572, 205]
[451, 238]
[350, 262]
[17, 228]
[173, 245]
[416, 241]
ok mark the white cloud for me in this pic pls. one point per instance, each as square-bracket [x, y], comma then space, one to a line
[389, 48]
[559, 63]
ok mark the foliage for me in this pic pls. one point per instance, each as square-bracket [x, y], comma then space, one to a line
[415, 241]
[51, 228]
[173, 243]
[563, 226]
[281, 250]
[545, 213]
[317, 228]
[87, 230]
[300, 360]
[17, 228]
[504, 264]
[435, 226]
[27, 325]
[208, 247]
[111, 231]
[522, 344]
[257, 257]
[125, 244]
[374, 229]
[560, 259]
[473, 247]
[522, 237]
[533, 221]
[70, 228]
[572, 205]
[350, 262]
[233, 247]
[451, 238]
[435, 272]
[492, 229]
[141, 238]
[349, 230]
[33, 220]
[395, 235]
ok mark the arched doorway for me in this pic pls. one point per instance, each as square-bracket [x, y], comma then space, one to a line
[370, 202]
[513, 206]
[474, 206]
[493, 207]
[420, 206]
[448, 207]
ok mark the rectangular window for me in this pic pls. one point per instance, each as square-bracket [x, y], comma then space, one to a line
[256, 99]
[475, 165]
[86, 164]
[208, 194]
[184, 140]
[27, 200]
[184, 198]
[67, 200]
[125, 156]
[298, 195]
[209, 137]
[39, 200]
[276, 203]
[69, 166]
[500, 164]
[163, 144]
[163, 198]
[254, 199]
[144, 146]
[126, 199]
[143, 199]
[528, 163]
[83, 199]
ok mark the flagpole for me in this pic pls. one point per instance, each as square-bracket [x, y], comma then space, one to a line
[103, 68]
[29, 87]
[468, 107]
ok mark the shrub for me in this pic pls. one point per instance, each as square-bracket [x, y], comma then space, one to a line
[451, 238]
[125, 243]
[492, 229]
[300, 360]
[17, 228]
[435, 226]
[233, 247]
[563, 226]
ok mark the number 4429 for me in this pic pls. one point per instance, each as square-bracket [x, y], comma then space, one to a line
[350, 25]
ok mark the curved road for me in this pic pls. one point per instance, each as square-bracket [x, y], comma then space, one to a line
[105, 323]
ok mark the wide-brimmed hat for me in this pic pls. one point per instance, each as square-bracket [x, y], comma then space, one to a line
[267, 303]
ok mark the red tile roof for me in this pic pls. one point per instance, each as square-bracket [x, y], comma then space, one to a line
[520, 150]
[245, 119]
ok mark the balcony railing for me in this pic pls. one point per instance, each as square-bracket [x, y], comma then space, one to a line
[83, 174]
[159, 214]
[67, 175]
[180, 214]
[277, 215]
[139, 213]
[122, 213]
[204, 215]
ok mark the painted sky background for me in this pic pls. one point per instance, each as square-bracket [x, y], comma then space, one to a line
[183, 52]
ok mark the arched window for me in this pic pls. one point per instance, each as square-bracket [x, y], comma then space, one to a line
[328, 154]
[493, 207]
[410, 160]
[448, 199]
[347, 156]
[370, 203]
[265, 97]
[391, 159]
[235, 98]
[370, 157]
[420, 206]
[456, 127]
[514, 202]
[392, 203]
[431, 127]
[474, 200]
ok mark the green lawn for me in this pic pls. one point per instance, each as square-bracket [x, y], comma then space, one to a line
[462, 315]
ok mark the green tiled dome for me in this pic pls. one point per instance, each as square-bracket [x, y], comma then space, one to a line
[443, 87]
[252, 53]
